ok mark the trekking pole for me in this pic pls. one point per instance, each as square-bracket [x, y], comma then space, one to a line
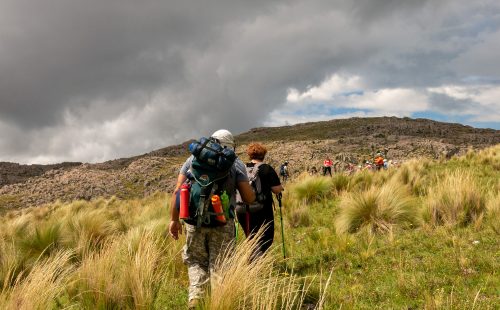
[247, 223]
[282, 230]
[236, 231]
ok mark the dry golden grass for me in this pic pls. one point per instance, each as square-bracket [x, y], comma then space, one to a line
[144, 270]
[457, 199]
[493, 212]
[312, 189]
[378, 209]
[245, 283]
[114, 254]
[41, 286]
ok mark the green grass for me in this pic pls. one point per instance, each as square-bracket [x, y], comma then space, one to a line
[365, 241]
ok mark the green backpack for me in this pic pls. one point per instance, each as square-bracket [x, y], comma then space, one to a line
[209, 174]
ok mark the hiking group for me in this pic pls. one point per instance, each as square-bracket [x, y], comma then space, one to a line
[350, 166]
[214, 188]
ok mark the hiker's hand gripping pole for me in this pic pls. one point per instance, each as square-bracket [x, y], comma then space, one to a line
[278, 196]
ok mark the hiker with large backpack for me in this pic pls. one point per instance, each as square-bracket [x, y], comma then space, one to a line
[205, 198]
[264, 182]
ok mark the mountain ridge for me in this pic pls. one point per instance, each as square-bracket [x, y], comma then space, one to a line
[303, 145]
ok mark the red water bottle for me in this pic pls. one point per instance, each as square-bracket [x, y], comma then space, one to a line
[184, 202]
[217, 205]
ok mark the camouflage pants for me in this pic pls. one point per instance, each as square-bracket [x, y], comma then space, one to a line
[203, 246]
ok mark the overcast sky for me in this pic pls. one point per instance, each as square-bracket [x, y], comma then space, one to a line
[92, 80]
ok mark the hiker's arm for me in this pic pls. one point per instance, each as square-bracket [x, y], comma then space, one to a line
[246, 192]
[274, 182]
[277, 189]
[175, 227]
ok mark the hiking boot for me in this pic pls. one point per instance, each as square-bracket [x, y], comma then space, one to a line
[193, 303]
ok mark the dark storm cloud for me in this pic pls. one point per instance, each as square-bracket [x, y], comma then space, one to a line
[94, 80]
[57, 54]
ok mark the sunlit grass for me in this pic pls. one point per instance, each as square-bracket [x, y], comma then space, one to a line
[366, 228]
[312, 189]
[458, 199]
[40, 288]
[377, 209]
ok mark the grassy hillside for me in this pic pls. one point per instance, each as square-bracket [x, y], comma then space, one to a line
[423, 236]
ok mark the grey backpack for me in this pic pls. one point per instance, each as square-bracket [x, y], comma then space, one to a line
[256, 185]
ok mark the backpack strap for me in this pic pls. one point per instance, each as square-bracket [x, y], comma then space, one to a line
[205, 216]
[257, 166]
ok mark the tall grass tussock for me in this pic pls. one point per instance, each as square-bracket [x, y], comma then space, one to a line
[263, 286]
[456, 200]
[377, 209]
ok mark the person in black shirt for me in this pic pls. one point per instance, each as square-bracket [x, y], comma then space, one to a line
[270, 183]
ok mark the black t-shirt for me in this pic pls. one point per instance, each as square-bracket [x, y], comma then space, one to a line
[268, 178]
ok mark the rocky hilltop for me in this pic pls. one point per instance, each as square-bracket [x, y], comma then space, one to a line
[15, 173]
[303, 145]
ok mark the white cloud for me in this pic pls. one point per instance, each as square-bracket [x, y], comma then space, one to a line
[396, 101]
[282, 118]
[454, 91]
[333, 86]
[341, 93]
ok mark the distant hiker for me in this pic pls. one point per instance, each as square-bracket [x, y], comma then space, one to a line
[379, 161]
[211, 174]
[284, 171]
[264, 181]
[327, 166]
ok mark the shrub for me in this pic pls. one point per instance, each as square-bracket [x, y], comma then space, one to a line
[41, 240]
[10, 264]
[263, 287]
[340, 182]
[361, 181]
[89, 229]
[298, 217]
[312, 189]
[144, 268]
[414, 174]
[96, 282]
[126, 273]
[41, 287]
[456, 200]
[493, 212]
[377, 209]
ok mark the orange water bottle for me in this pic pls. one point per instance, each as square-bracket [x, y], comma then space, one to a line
[184, 202]
[217, 205]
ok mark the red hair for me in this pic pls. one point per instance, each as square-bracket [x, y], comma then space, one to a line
[256, 151]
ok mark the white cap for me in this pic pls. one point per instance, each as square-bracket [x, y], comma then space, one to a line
[224, 137]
